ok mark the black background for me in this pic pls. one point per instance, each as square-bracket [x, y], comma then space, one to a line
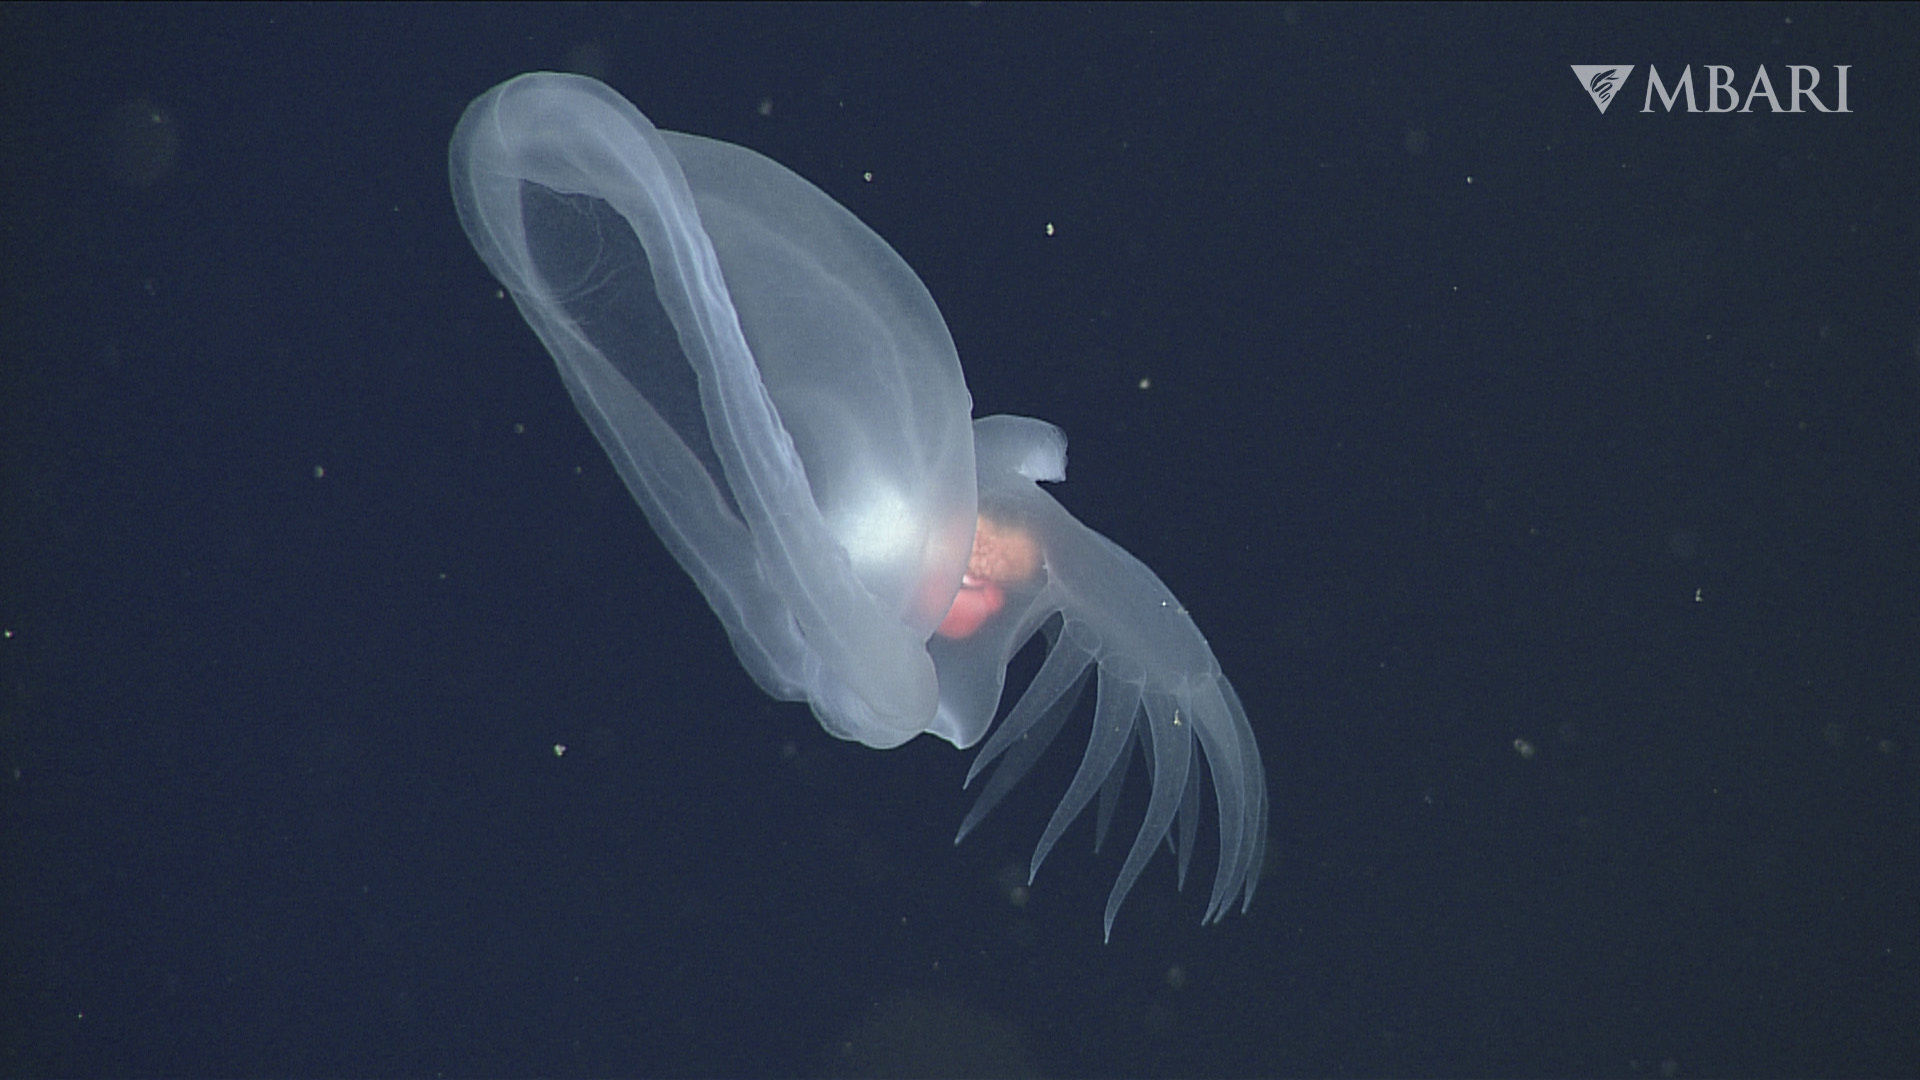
[1478, 422]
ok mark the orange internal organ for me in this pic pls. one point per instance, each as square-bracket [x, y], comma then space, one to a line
[1002, 555]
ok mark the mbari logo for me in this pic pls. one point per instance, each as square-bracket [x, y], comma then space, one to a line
[1604, 81]
[1601, 80]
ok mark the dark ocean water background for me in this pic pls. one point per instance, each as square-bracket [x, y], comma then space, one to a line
[1547, 481]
